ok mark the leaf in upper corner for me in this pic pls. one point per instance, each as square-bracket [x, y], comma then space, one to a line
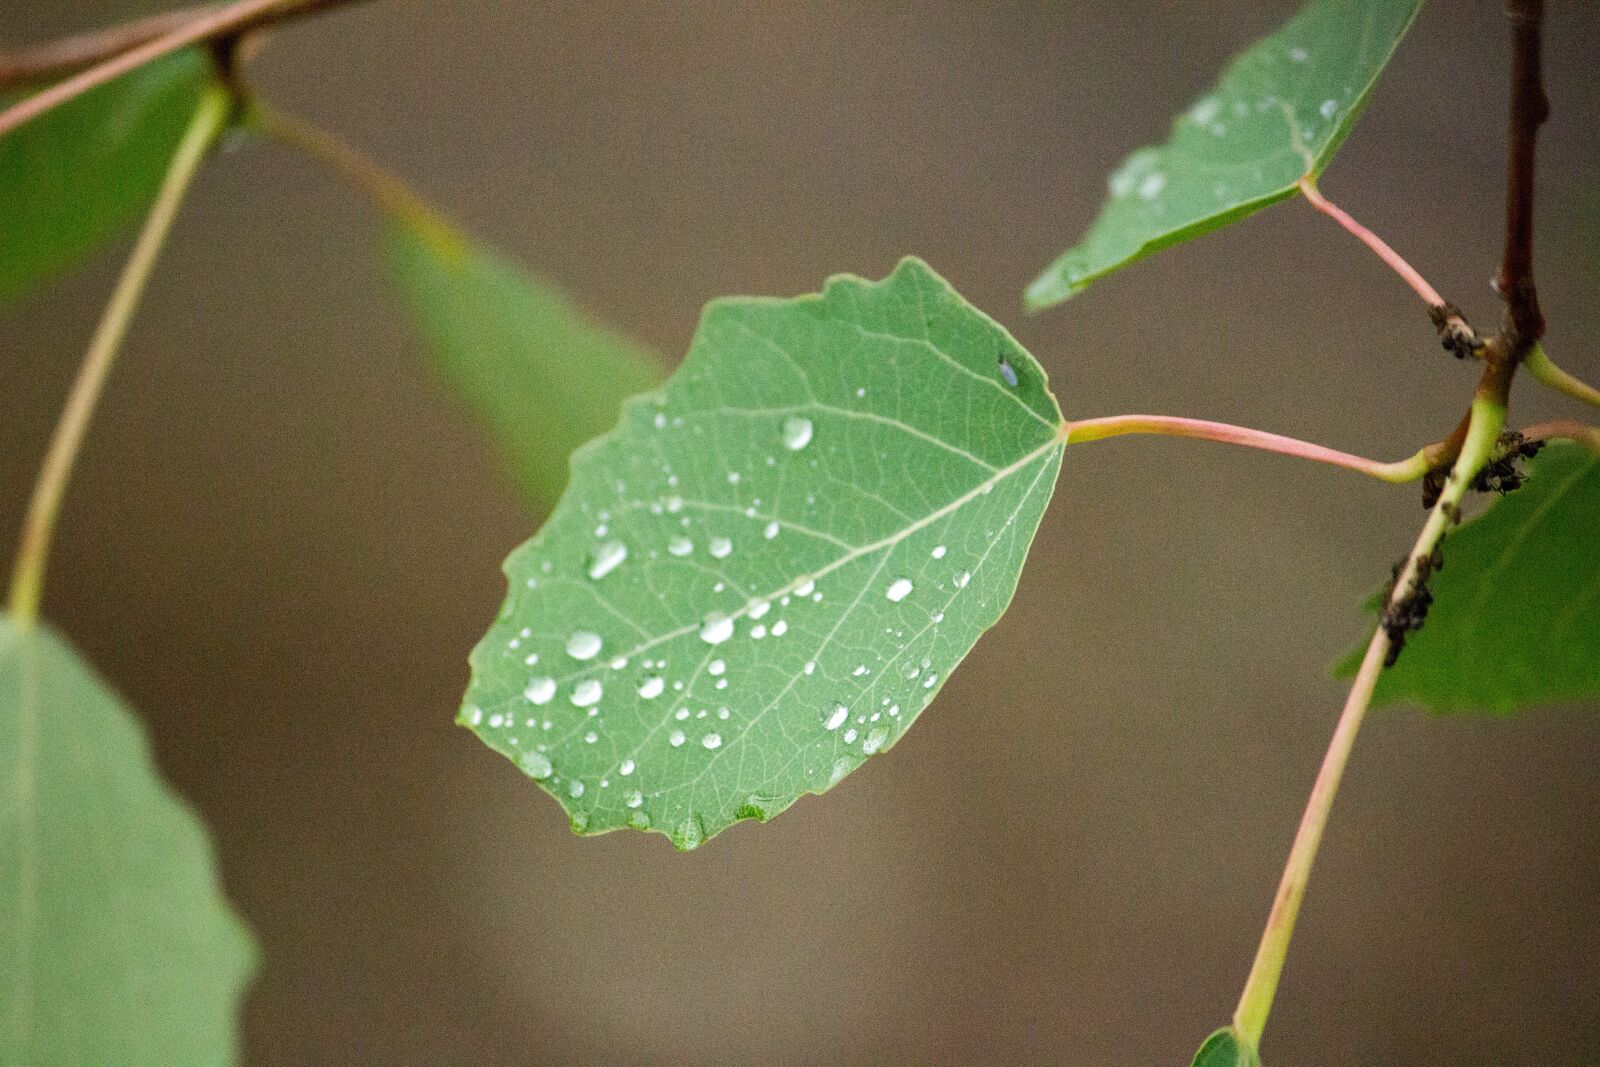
[1515, 620]
[77, 175]
[542, 376]
[1281, 110]
[767, 570]
[116, 945]
[1225, 1048]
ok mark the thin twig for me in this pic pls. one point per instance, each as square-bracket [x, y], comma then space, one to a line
[1409, 469]
[1529, 108]
[210, 24]
[51, 59]
[33, 552]
[1255, 1003]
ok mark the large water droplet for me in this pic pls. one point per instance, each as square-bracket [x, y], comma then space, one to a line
[583, 645]
[607, 558]
[721, 548]
[712, 740]
[836, 717]
[587, 693]
[898, 590]
[717, 629]
[536, 765]
[796, 433]
[540, 690]
[651, 687]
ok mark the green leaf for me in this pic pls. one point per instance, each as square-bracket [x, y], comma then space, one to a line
[540, 375]
[1515, 620]
[74, 177]
[116, 945]
[763, 575]
[1226, 1048]
[1281, 111]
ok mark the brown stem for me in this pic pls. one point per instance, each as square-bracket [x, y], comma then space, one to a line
[51, 59]
[1529, 108]
[122, 50]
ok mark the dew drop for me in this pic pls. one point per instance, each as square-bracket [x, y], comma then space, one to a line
[850, 736]
[721, 548]
[875, 740]
[716, 629]
[780, 628]
[899, 589]
[583, 645]
[536, 765]
[680, 546]
[771, 531]
[607, 558]
[712, 740]
[633, 799]
[540, 690]
[1008, 372]
[939, 551]
[716, 667]
[805, 587]
[590, 738]
[962, 579]
[1152, 185]
[575, 789]
[1328, 108]
[676, 738]
[651, 687]
[758, 608]
[836, 717]
[586, 693]
[796, 433]
[626, 768]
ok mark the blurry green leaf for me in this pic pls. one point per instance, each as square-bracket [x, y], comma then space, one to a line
[1281, 110]
[763, 575]
[1515, 620]
[116, 945]
[1225, 1048]
[75, 176]
[542, 376]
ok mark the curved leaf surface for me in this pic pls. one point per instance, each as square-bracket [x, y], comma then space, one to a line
[1515, 621]
[542, 376]
[1281, 111]
[116, 945]
[1225, 1048]
[72, 178]
[762, 576]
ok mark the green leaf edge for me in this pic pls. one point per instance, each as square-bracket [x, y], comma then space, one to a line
[687, 838]
[1226, 1048]
[1039, 295]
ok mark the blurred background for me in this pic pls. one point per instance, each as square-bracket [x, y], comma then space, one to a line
[285, 535]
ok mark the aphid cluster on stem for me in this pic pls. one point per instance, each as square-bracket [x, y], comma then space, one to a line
[1455, 333]
[1406, 615]
[1504, 472]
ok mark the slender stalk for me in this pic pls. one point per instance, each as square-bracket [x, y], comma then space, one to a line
[67, 54]
[228, 21]
[1396, 262]
[32, 554]
[1546, 373]
[1255, 1003]
[1405, 470]
[1564, 430]
[389, 192]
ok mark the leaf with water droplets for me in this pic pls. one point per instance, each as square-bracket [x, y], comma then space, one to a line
[116, 945]
[74, 177]
[1280, 111]
[1515, 620]
[814, 520]
[541, 375]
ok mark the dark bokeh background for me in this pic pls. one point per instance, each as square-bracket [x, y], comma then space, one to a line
[284, 536]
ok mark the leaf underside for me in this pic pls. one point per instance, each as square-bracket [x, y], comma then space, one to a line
[116, 945]
[1280, 111]
[1515, 621]
[769, 568]
[76, 176]
[541, 376]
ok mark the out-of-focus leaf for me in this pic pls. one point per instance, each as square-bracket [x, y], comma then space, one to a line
[767, 571]
[1226, 1048]
[542, 376]
[116, 945]
[77, 175]
[1515, 620]
[1281, 111]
